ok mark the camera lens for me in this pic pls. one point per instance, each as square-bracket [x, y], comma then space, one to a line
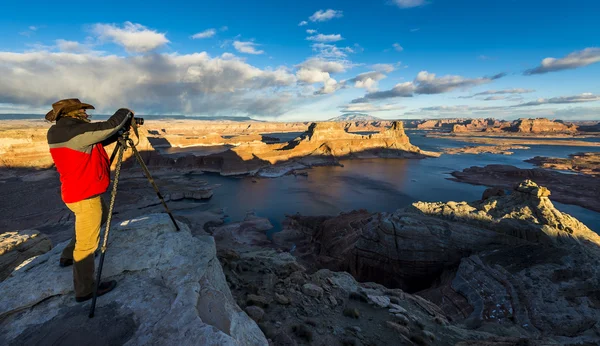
[139, 121]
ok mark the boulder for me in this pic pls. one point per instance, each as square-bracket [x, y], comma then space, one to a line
[171, 290]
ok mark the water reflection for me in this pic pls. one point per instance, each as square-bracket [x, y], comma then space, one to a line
[374, 184]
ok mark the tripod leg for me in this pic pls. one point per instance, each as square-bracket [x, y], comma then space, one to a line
[151, 180]
[121, 148]
[114, 153]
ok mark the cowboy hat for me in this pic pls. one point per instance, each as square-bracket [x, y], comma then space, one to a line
[65, 106]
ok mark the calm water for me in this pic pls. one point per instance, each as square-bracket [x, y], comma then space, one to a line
[373, 184]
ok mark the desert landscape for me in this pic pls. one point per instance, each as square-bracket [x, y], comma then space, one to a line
[426, 273]
[308, 173]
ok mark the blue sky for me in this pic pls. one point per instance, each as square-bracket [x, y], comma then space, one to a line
[279, 60]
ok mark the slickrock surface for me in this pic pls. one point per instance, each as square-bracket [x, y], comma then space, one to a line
[580, 190]
[586, 163]
[171, 290]
[18, 246]
[509, 265]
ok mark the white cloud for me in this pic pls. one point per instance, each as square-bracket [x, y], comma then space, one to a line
[331, 51]
[428, 83]
[585, 97]
[576, 59]
[157, 83]
[397, 47]
[134, 38]
[369, 108]
[409, 3]
[205, 34]
[322, 16]
[318, 70]
[70, 46]
[247, 47]
[387, 68]
[415, 29]
[303, 23]
[325, 38]
[499, 92]
[310, 31]
[367, 80]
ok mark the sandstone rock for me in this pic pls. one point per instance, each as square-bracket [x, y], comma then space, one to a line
[519, 262]
[397, 327]
[332, 300]
[281, 299]
[16, 247]
[493, 192]
[255, 313]
[566, 188]
[587, 163]
[379, 301]
[312, 290]
[542, 125]
[190, 301]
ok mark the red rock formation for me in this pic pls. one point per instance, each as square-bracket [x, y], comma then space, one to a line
[543, 125]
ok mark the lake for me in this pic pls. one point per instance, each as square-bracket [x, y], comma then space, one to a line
[373, 184]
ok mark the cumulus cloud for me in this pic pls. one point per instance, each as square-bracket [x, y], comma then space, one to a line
[585, 97]
[369, 108]
[158, 83]
[318, 70]
[367, 80]
[325, 50]
[500, 92]
[397, 47]
[409, 3]
[428, 83]
[576, 59]
[310, 31]
[303, 23]
[323, 16]
[70, 46]
[247, 47]
[325, 38]
[205, 34]
[135, 38]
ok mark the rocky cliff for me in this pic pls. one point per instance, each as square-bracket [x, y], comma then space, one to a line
[490, 126]
[507, 265]
[542, 125]
[171, 290]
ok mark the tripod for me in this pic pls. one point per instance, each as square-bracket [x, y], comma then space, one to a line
[123, 143]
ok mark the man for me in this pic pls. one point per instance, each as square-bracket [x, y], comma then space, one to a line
[77, 148]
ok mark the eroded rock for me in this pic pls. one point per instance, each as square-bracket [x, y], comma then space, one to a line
[190, 301]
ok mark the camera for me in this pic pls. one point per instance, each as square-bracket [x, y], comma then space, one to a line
[138, 121]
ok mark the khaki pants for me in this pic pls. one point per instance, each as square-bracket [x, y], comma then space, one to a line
[90, 215]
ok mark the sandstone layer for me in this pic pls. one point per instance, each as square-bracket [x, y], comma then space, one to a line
[509, 265]
[244, 149]
[485, 149]
[566, 188]
[586, 163]
[171, 290]
[491, 126]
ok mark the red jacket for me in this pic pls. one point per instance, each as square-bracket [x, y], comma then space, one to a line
[79, 156]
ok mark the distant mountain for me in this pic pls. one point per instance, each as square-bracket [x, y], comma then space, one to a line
[355, 117]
